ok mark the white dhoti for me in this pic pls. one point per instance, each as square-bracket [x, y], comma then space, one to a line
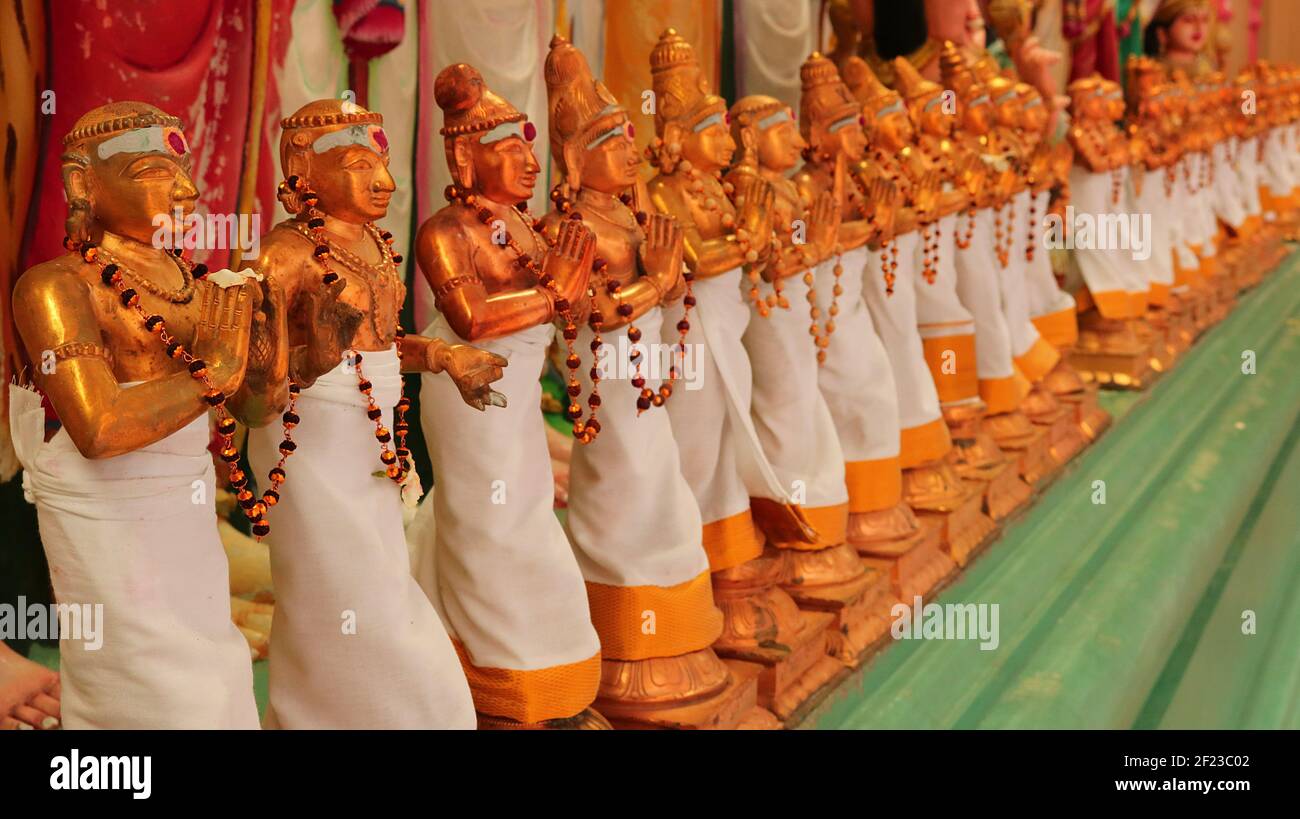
[791, 417]
[1034, 357]
[134, 538]
[946, 326]
[857, 383]
[924, 435]
[500, 567]
[1052, 310]
[1150, 202]
[1229, 204]
[1117, 288]
[355, 643]
[634, 523]
[721, 456]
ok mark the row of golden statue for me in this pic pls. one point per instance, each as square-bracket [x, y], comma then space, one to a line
[889, 368]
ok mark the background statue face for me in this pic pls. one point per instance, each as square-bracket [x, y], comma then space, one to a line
[613, 165]
[894, 130]
[710, 148]
[977, 119]
[1189, 31]
[779, 146]
[850, 140]
[506, 170]
[932, 119]
[353, 183]
[127, 190]
[1034, 118]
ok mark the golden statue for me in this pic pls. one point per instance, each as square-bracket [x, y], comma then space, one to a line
[1179, 36]
[499, 564]
[337, 464]
[134, 346]
[647, 555]
[931, 487]
[742, 502]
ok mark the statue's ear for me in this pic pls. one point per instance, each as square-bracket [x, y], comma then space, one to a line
[674, 133]
[574, 155]
[464, 159]
[76, 184]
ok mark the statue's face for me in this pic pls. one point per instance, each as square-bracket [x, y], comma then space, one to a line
[505, 170]
[612, 163]
[977, 117]
[1009, 112]
[931, 118]
[1033, 117]
[848, 139]
[708, 145]
[1190, 31]
[779, 146]
[894, 130]
[128, 190]
[353, 183]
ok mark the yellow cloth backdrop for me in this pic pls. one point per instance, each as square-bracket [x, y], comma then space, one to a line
[632, 32]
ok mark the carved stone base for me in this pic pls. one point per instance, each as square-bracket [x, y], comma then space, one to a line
[1005, 493]
[963, 531]
[587, 720]
[767, 628]
[633, 694]
[1025, 443]
[860, 607]
[892, 531]
[790, 676]
[919, 571]
[1090, 418]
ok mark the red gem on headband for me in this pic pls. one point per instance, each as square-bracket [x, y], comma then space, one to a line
[177, 143]
[530, 131]
[631, 131]
[381, 139]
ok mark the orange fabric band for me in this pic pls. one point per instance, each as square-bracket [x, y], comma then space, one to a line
[952, 364]
[1039, 360]
[732, 541]
[1061, 329]
[1115, 304]
[1004, 394]
[640, 622]
[874, 485]
[1159, 294]
[923, 444]
[535, 695]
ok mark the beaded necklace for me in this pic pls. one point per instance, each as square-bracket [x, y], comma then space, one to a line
[397, 464]
[614, 288]
[113, 274]
[584, 431]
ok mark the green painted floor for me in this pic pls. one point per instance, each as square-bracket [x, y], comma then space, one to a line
[1131, 613]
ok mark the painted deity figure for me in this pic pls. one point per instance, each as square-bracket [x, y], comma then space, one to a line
[646, 555]
[337, 464]
[743, 504]
[134, 346]
[499, 565]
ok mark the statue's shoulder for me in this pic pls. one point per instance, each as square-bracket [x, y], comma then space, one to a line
[63, 274]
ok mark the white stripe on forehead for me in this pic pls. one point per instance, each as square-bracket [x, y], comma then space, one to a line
[841, 123]
[503, 131]
[982, 99]
[708, 122]
[611, 132]
[351, 135]
[1008, 95]
[138, 141]
[775, 118]
[1033, 101]
[894, 107]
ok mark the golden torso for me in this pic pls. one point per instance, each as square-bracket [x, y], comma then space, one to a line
[672, 194]
[494, 264]
[137, 353]
[618, 236]
[373, 285]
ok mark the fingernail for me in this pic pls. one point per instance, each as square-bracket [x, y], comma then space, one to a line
[22, 726]
[49, 722]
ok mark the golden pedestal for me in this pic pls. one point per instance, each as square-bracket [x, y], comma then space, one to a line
[1027, 444]
[837, 582]
[588, 720]
[952, 508]
[1110, 354]
[764, 627]
[693, 691]
[981, 463]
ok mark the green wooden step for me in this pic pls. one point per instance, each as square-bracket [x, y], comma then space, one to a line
[1107, 611]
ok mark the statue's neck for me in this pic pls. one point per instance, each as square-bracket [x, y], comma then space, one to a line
[130, 250]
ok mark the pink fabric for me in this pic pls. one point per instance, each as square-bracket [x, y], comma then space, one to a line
[192, 60]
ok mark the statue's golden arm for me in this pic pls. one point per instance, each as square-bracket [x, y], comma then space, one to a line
[446, 262]
[102, 419]
[704, 257]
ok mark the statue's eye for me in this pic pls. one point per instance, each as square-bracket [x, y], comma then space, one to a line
[360, 165]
